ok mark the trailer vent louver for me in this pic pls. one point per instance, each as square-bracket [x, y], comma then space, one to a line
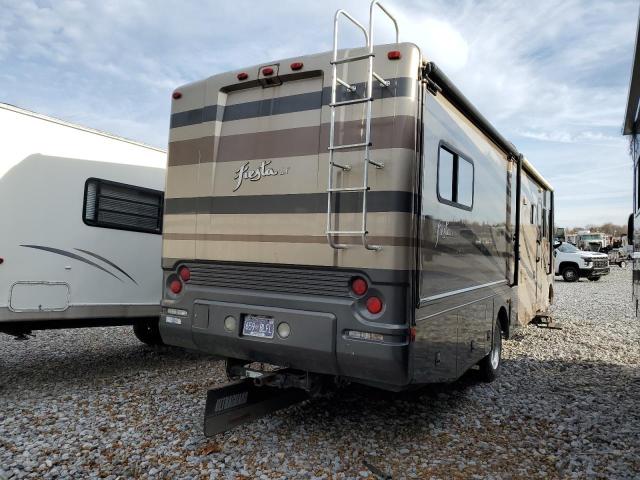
[123, 207]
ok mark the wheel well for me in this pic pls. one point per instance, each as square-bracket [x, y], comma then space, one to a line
[564, 265]
[503, 318]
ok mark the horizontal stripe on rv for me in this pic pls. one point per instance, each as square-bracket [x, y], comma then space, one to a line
[386, 224]
[317, 239]
[389, 258]
[404, 106]
[387, 132]
[295, 203]
[400, 87]
[306, 174]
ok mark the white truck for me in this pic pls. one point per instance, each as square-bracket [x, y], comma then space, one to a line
[573, 263]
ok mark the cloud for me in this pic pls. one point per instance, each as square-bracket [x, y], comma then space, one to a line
[552, 76]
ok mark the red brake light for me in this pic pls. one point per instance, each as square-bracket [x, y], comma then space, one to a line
[374, 305]
[175, 286]
[359, 286]
[394, 55]
[243, 76]
[176, 95]
[184, 273]
[297, 65]
[266, 71]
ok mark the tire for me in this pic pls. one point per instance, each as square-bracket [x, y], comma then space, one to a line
[491, 364]
[622, 264]
[570, 274]
[594, 279]
[148, 332]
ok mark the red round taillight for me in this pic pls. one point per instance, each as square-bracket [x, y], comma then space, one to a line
[266, 71]
[297, 65]
[374, 305]
[242, 76]
[176, 95]
[185, 274]
[175, 286]
[359, 286]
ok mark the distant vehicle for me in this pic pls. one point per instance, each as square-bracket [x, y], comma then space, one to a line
[591, 241]
[364, 223]
[560, 234]
[82, 217]
[573, 263]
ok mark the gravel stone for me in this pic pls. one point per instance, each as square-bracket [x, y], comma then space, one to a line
[96, 403]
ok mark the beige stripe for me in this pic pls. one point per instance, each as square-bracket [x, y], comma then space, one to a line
[318, 239]
[393, 258]
[307, 174]
[299, 224]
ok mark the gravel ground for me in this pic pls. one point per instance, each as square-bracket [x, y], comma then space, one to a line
[95, 403]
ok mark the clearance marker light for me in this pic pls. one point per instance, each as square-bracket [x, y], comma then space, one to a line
[297, 65]
[243, 76]
[394, 55]
[267, 71]
[176, 95]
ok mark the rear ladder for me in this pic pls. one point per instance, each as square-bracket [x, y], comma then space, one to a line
[332, 231]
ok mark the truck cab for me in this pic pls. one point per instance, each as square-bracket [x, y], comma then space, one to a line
[573, 263]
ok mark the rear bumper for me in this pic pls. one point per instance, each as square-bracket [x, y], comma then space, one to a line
[318, 342]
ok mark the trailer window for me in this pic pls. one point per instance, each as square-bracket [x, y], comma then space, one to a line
[455, 179]
[116, 205]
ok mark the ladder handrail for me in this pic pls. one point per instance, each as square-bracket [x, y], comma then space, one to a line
[375, 3]
[336, 19]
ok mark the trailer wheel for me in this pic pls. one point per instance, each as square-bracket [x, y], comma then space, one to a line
[622, 264]
[490, 365]
[148, 332]
[570, 274]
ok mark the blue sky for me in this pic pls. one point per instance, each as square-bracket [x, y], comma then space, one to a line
[552, 76]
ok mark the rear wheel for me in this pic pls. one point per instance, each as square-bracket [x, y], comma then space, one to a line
[148, 332]
[570, 274]
[490, 365]
[622, 264]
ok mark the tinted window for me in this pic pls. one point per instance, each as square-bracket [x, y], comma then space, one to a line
[455, 179]
[465, 182]
[445, 174]
[123, 207]
[567, 248]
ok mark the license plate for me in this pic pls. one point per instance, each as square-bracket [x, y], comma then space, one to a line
[258, 326]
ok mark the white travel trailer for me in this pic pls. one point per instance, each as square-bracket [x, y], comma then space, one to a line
[81, 212]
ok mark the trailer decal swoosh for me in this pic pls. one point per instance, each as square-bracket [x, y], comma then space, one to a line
[109, 262]
[72, 255]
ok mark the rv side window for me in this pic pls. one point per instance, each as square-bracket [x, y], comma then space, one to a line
[123, 207]
[455, 179]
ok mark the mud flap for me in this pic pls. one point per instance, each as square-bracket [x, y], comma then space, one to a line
[242, 401]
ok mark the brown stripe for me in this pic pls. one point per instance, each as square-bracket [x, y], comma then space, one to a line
[387, 132]
[320, 239]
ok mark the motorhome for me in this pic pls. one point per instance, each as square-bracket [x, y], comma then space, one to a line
[349, 215]
[82, 212]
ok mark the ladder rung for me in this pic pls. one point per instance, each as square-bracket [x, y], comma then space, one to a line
[348, 189]
[351, 102]
[351, 145]
[346, 232]
[352, 59]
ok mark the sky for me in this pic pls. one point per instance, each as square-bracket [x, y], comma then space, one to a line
[551, 76]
